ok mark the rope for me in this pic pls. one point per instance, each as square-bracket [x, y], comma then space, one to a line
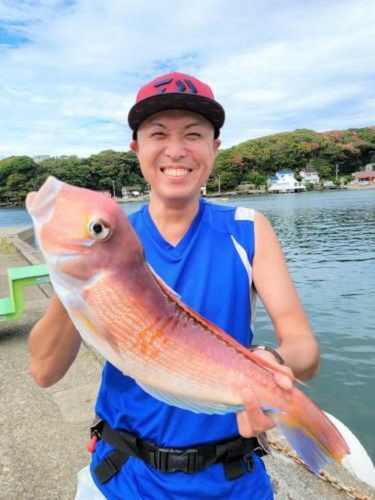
[350, 492]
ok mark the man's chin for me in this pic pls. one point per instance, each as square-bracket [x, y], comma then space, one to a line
[177, 195]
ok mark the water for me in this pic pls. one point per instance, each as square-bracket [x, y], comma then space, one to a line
[329, 243]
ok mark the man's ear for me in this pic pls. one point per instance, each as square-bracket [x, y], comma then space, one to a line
[134, 146]
[217, 144]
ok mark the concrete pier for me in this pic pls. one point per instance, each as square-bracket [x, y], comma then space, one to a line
[44, 432]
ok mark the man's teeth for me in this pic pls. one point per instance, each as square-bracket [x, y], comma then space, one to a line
[176, 172]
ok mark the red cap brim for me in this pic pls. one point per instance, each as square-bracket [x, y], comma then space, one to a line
[204, 106]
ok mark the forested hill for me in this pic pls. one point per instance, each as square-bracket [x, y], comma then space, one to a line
[250, 161]
[350, 149]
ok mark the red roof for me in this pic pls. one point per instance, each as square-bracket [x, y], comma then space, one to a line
[365, 175]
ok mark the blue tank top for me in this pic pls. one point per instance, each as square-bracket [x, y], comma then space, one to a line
[210, 269]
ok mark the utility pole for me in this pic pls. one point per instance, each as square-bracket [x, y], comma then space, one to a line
[337, 169]
[113, 188]
[219, 186]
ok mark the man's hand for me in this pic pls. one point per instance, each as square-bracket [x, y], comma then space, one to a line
[252, 421]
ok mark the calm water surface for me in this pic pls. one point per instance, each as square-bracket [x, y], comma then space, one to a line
[329, 243]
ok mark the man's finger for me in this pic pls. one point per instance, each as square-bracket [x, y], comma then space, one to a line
[284, 381]
[252, 421]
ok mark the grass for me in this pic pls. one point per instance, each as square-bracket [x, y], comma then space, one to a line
[6, 246]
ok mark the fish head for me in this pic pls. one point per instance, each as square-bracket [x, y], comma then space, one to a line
[80, 231]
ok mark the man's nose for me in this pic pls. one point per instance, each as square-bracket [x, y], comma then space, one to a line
[175, 149]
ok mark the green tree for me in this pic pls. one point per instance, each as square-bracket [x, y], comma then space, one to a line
[17, 177]
[228, 180]
[323, 167]
[257, 179]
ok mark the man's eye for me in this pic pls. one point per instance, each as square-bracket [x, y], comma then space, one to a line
[158, 134]
[194, 135]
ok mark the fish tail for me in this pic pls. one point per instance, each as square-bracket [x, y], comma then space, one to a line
[311, 433]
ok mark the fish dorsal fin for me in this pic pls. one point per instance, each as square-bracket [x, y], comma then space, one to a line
[163, 285]
[205, 323]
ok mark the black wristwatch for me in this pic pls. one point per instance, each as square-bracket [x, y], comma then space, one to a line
[277, 356]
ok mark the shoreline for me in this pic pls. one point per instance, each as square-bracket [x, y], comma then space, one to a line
[227, 194]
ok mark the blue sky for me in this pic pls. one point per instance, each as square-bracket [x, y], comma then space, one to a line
[69, 70]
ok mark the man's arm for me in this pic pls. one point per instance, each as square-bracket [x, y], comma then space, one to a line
[297, 344]
[54, 344]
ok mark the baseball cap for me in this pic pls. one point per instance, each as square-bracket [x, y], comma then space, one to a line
[176, 91]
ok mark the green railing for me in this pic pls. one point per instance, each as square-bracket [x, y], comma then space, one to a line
[11, 308]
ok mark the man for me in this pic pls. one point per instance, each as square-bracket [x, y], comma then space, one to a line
[216, 258]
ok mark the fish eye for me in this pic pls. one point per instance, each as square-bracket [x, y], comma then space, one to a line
[99, 229]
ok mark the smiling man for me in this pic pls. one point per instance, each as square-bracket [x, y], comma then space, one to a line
[217, 259]
[176, 151]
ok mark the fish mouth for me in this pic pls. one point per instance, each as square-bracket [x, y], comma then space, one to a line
[61, 257]
[40, 204]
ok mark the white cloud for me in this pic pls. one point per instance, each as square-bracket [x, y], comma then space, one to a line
[274, 66]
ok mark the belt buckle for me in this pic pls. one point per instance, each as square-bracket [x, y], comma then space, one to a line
[174, 460]
[161, 459]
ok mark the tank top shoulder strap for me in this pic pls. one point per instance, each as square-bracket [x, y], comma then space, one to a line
[243, 235]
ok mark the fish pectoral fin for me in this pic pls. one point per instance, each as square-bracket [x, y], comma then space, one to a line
[83, 317]
[194, 405]
[87, 323]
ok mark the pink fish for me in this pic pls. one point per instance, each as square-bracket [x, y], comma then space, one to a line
[136, 322]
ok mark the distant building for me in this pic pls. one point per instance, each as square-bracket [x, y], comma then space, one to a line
[366, 176]
[106, 192]
[285, 183]
[39, 158]
[279, 175]
[309, 176]
[129, 191]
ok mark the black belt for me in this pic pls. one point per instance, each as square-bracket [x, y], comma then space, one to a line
[233, 453]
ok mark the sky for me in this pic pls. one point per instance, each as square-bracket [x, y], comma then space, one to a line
[70, 69]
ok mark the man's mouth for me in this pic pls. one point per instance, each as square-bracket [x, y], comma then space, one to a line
[176, 172]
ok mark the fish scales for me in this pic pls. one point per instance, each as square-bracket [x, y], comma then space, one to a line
[149, 338]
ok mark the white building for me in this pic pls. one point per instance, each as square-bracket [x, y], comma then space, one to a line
[286, 183]
[131, 191]
[279, 175]
[310, 176]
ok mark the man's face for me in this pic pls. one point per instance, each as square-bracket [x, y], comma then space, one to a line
[176, 150]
